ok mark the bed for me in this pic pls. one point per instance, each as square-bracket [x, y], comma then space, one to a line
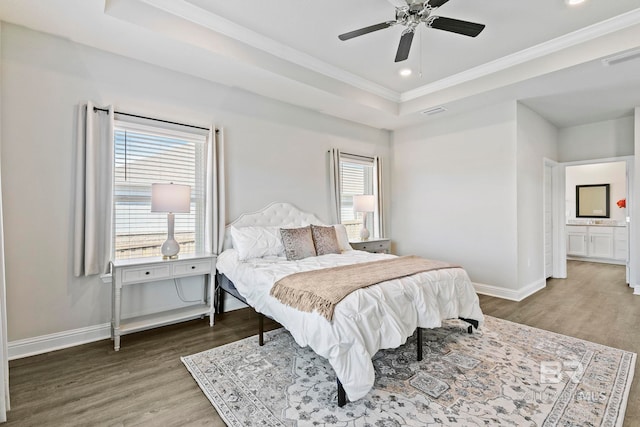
[377, 317]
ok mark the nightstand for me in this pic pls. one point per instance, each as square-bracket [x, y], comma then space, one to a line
[380, 245]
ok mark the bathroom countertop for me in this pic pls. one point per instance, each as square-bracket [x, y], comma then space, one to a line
[594, 224]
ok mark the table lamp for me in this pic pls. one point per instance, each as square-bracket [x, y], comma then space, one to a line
[171, 198]
[365, 204]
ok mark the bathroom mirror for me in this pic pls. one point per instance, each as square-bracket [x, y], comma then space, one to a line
[592, 201]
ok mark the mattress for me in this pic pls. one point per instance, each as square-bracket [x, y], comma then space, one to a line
[377, 317]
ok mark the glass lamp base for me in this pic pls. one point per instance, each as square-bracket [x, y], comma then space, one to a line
[170, 249]
[364, 234]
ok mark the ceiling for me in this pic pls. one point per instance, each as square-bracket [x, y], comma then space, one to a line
[543, 53]
[312, 27]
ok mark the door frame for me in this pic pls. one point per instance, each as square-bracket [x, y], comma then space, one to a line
[560, 217]
[553, 165]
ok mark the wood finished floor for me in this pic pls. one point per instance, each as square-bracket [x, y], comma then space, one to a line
[145, 382]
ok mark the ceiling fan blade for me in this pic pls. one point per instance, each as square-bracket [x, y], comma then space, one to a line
[437, 3]
[466, 28]
[366, 30]
[405, 45]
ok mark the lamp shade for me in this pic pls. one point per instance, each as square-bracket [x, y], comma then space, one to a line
[174, 198]
[364, 203]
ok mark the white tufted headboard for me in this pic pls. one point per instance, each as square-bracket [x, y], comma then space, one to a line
[277, 214]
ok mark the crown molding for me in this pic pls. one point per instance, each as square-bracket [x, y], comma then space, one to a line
[582, 35]
[192, 13]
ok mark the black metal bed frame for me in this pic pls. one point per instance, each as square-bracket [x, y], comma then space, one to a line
[222, 283]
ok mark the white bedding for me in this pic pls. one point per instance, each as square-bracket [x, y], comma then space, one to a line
[380, 316]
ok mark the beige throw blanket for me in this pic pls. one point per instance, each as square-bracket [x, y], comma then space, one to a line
[321, 290]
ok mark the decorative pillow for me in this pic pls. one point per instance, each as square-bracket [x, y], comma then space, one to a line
[325, 240]
[297, 242]
[256, 242]
[343, 238]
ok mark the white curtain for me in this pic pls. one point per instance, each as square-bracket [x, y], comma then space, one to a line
[336, 185]
[378, 216]
[93, 191]
[215, 194]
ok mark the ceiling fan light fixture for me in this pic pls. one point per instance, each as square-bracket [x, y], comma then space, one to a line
[410, 14]
[405, 72]
[574, 2]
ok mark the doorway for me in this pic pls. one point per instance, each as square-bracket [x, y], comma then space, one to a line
[597, 236]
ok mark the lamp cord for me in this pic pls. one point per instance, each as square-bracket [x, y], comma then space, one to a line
[179, 291]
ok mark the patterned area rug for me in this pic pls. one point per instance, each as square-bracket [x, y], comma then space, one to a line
[504, 374]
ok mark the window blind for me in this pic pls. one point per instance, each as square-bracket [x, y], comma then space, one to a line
[357, 178]
[145, 155]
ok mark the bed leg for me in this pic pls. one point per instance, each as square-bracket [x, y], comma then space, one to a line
[472, 324]
[419, 333]
[260, 329]
[219, 302]
[342, 396]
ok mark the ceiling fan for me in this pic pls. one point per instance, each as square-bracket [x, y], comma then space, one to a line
[410, 14]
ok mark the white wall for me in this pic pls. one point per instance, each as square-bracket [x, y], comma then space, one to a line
[275, 152]
[454, 193]
[633, 204]
[537, 139]
[613, 173]
[599, 140]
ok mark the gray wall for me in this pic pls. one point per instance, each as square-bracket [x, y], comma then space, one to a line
[537, 139]
[454, 193]
[469, 188]
[598, 140]
[275, 152]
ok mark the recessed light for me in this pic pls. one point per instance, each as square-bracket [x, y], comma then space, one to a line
[405, 72]
[573, 2]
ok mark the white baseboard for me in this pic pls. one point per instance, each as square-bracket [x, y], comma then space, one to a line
[635, 287]
[59, 340]
[46, 343]
[510, 294]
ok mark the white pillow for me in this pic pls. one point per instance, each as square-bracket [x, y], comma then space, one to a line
[256, 242]
[343, 239]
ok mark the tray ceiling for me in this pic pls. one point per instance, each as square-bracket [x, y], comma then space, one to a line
[543, 53]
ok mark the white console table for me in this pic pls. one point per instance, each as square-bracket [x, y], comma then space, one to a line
[143, 270]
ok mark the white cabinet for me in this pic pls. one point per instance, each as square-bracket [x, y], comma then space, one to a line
[620, 243]
[577, 240]
[380, 245]
[600, 242]
[604, 243]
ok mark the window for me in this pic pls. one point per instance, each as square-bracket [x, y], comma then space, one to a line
[145, 155]
[356, 177]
